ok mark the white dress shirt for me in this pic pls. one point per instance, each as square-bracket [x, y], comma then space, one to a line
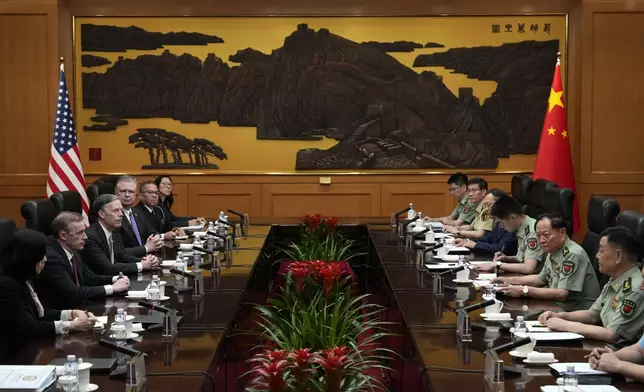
[110, 241]
[61, 326]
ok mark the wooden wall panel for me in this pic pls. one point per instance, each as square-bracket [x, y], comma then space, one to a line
[342, 200]
[431, 199]
[209, 199]
[12, 197]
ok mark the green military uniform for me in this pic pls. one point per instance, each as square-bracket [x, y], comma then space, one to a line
[620, 305]
[483, 221]
[528, 246]
[464, 211]
[569, 268]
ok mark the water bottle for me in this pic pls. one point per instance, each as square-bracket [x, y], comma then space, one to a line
[520, 329]
[210, 239]
[461, 260]
[154, 291]
[119, 318]
[570, 379]
[196, 255]
[71, 371]
[411, 213]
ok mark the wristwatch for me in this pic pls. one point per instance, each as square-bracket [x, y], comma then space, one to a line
[498, 266]
[525, 291]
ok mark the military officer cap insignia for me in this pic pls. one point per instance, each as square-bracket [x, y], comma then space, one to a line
[532, 243]
[627, 285]
[466, 208]
[567, 267]
[565, 251]
[628, 307]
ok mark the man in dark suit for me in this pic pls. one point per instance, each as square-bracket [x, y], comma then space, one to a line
[103, 252]
[66, 282]
[154, 215]
[138, 237]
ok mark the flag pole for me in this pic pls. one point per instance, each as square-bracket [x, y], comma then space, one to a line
[62, 63]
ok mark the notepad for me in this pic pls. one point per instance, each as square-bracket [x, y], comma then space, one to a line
[458, 249]
[580, 368]
[550, 336]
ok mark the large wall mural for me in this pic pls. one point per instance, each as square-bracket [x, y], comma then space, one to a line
[288, 94]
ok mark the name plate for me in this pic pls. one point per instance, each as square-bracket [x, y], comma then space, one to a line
[136, 380]
[493, 372]
[463, 328]
[169, 326]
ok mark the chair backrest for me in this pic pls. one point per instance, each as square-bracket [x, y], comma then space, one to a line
[67, 201]
[633, 221]
[536, 198]
[521, 185]
[7, 227]
[602, 214]
[560, 200]
[39, 214]
[105, 184]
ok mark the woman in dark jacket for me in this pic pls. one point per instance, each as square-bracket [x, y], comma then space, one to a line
[23, 316]
[164, 183]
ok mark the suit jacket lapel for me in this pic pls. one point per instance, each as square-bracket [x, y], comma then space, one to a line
[64, 258]
[102, 238]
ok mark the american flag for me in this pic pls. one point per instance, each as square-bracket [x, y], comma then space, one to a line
[65, 169]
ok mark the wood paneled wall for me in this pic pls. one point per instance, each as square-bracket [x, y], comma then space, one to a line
[604, 91]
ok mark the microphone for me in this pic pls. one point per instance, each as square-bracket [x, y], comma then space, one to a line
[402, 211]
[421, 232]
[414, 219]
[152, 306]
[200, 249]
[122, 349]
[509, 346]
[225, 222]
[452, 271]
[239, 214]
[434, 247]
[479, 305]
[186, 274]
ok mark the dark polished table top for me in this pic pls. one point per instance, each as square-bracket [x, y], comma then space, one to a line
[431, 321]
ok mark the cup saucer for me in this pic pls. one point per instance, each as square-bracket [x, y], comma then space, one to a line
[516, 353]
[540, 362]
[462, 281]
[91, 388]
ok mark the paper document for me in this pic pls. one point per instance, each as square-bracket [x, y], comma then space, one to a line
[549, 336]
[582, 388]
[580, 368]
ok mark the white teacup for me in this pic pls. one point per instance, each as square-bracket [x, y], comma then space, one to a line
[162, 288]
[83, 375]
[429, 236]
[119, 331]
[462, 293]
[496, 308]
[449, 240]
[536, 356]
[463, 275]
[128, 324]
[526, 349]
[441, 252]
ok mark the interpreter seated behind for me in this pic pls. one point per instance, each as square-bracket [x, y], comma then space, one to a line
[23, 316]
[629, 361]
[498, 240]
[463, 213]
[529, 257]
[617, 313]
[482, 224]
[567, 276]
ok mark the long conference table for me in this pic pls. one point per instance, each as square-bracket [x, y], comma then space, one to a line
[430, 320]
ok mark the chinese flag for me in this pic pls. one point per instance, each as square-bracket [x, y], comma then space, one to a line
[554, 160]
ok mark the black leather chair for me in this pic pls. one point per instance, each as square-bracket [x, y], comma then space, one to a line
[633, 221]
[536, 198]
[7, 227]
[602, 214]
[39, 214]
[67, 201]
[521, 185]
[560, 200]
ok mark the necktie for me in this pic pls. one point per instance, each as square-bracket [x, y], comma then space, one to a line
[111, 244]
[75, 268]
[135, 228]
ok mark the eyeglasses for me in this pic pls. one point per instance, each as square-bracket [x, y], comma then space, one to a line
[151, 193]
[126, 191]
[166, 184]
[472, 190]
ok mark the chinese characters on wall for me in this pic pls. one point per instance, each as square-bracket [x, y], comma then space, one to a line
[521, 28]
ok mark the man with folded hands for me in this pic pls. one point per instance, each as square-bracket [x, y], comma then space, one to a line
[529, 257]
[567, 276]
[498, 240]
[629, 361]
[616, 315]
[463, 213]
[66, 282]
[483, 222]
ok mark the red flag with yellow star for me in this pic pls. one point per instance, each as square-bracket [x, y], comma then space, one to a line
[554, 159]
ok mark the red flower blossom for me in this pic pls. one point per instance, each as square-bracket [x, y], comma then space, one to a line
[276, 355]
[271, 375]
[331, 224]
[334, 361]
[331, 274]
[302, 357]
[300, 273]
[315, 221]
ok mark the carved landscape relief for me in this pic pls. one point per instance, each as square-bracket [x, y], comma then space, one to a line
[383, 114]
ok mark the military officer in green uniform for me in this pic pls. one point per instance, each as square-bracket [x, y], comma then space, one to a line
[530, 256]
[567, 276]
[464, 212]
[616, 315]
[483, 223]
